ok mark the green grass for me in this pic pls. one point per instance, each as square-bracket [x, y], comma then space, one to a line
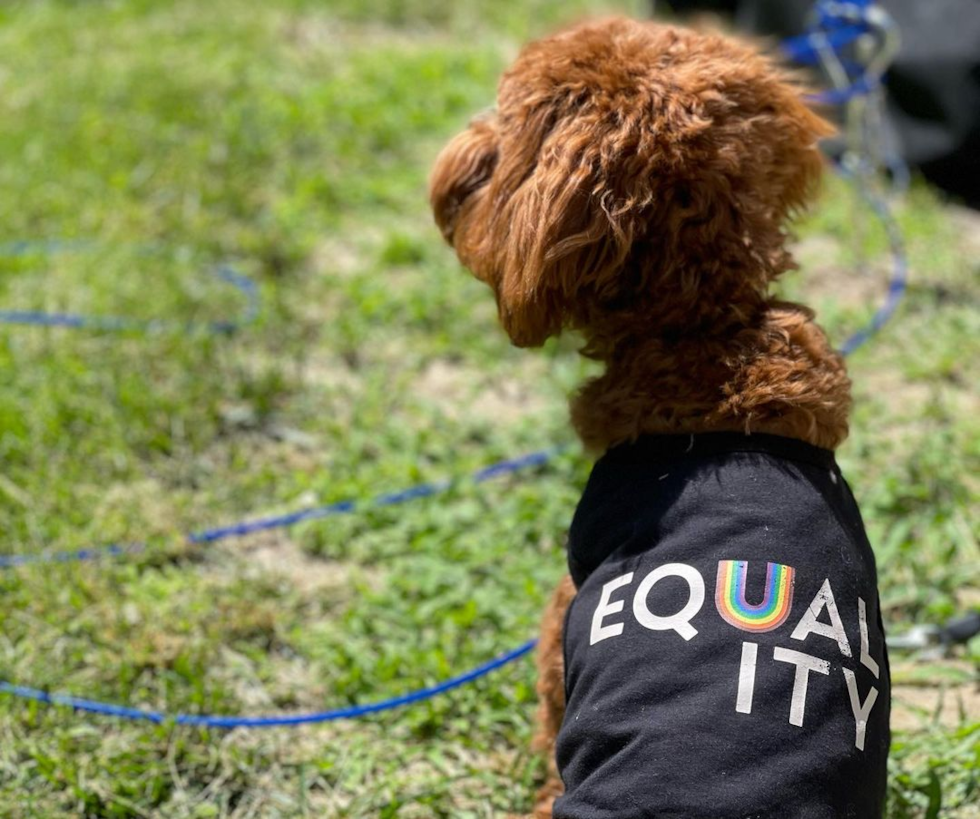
[294, 139]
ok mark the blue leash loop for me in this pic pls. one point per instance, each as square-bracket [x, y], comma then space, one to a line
[896, 290]
[121, 324]
[802, 49]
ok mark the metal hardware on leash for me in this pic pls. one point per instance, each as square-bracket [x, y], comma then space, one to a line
[876, 49]
[865, 154]
[935, 642]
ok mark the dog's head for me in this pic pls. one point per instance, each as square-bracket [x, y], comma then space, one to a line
[632, 176]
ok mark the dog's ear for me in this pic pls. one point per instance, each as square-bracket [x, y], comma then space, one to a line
[462, 168]
[778, 136]
[521, 221]
[797, 165]
[570, 224]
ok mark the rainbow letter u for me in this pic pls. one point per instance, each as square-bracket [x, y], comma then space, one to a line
[730, 600]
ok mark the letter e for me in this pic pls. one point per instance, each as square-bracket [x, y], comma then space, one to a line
[605, 608]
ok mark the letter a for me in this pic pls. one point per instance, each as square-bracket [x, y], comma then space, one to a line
[809, 624]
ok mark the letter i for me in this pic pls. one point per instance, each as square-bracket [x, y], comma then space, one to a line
[746, 678]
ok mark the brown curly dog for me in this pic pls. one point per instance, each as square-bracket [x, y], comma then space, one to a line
[633, 185]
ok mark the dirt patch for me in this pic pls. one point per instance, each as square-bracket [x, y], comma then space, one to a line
[332, 373]
[967, 224]
[277, 445]
[445, 384]
[911, 396]
[320, 35]
[458, 390]
[292, 680]
[275, 554]
[340, 257]
[313, 34]
[826, 277]
[506, 401]
[946, 703]
[149, 502]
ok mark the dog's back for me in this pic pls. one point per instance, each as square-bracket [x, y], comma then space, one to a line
[724, 655]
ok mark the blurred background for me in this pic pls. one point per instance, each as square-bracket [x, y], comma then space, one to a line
[144, 143]
[932, 107]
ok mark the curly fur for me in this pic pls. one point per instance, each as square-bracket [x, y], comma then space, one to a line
[633, 185]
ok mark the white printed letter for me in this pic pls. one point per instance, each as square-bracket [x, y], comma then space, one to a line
[746, 678]
[605, 608]
[866, 659]
[861, 712]
[680, 622]
[804, 665]
[809, 624]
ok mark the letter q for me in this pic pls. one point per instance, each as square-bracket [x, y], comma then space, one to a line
[681, 621]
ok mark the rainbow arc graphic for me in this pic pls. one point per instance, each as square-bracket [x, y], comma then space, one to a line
[731, 602]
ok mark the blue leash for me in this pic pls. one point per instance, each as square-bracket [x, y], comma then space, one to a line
[217, 721]
[504, 467]
[248, 527]
[897, 286]
[120, 324]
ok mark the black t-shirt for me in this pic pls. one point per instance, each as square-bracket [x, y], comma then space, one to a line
[724, 655]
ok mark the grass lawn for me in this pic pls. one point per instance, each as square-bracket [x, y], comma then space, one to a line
[293, 139]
